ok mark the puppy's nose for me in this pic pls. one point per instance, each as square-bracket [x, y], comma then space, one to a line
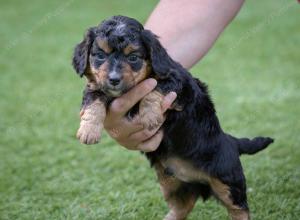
[114, 80]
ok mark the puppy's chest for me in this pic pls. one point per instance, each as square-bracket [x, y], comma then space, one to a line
[184, 170]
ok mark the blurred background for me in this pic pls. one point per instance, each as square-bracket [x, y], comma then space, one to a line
[253, 76]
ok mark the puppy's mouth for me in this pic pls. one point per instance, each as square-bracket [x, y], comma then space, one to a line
[115, 91]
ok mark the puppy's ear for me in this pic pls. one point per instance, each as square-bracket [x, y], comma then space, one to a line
[161, 62]
[82, 50]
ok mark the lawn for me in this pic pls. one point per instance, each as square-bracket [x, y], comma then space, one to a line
[253, 75]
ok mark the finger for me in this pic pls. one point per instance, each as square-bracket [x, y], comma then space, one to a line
[120, 106]
[167, 101]
[151, 144]
[125, 130]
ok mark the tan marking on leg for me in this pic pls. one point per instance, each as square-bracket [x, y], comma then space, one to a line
[167, 183]
[179, 207]
[150, 111]
[91, 124]
[223, 193]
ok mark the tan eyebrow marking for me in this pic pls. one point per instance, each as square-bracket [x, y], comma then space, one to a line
[103, 44]
[130, 48]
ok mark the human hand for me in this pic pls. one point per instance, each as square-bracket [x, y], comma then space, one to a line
[131, 133]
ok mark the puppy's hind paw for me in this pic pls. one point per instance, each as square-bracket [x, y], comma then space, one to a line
[89, 133]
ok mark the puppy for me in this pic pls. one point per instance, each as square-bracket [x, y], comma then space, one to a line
[196, 158]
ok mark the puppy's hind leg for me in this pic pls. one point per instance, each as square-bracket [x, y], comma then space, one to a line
[180, 199]
[233, 198]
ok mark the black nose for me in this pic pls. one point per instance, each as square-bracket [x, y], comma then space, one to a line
[114, 80]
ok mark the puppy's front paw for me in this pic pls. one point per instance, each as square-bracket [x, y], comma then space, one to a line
[152, 120]
[89, 133]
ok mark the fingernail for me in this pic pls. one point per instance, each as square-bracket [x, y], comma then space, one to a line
[151, 82]
[172, 96]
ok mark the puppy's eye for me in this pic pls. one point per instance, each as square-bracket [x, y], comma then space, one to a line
[133, 58]
[101, 56]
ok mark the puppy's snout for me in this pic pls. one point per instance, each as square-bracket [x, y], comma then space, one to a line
[114, 79]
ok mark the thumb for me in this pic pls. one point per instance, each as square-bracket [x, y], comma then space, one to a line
[167, 101]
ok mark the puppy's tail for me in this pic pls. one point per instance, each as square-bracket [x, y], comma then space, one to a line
[247, 146]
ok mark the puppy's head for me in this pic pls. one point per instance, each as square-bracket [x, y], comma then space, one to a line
[118, 54]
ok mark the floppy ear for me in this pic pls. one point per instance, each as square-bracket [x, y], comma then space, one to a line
[82, 50]
[161, 62]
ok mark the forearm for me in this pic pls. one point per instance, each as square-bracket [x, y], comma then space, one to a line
[188, 29]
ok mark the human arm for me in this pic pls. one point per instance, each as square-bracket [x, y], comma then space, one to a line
[188, 29]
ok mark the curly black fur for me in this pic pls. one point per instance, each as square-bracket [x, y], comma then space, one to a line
[193, 134]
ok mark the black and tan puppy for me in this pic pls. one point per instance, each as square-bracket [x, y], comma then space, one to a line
[196, 158]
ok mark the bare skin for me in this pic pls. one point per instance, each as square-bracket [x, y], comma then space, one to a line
[193, 26]
[188, 29]
[132, 134]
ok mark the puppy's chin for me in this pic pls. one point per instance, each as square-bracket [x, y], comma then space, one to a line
[110, 91]
[113, 93]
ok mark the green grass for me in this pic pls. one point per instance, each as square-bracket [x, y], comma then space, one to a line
[253, 75]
